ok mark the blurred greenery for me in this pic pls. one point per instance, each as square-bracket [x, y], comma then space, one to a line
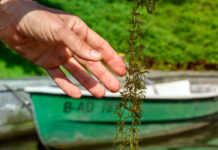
[181, 34]
[13, 65]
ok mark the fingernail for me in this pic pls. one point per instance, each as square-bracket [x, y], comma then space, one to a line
[95, 54]
[122, 70]
[122, 67]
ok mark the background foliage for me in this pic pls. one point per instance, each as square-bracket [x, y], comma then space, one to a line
[181, 34]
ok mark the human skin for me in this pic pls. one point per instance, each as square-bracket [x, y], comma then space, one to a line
[52, 38]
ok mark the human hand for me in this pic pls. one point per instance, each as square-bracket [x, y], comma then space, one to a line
[52, 38]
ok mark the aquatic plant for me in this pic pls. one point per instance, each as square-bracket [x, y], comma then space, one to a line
[133, 92]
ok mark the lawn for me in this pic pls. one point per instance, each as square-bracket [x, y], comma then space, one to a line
[181, 34]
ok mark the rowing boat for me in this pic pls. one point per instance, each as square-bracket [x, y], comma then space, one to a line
[169, 108]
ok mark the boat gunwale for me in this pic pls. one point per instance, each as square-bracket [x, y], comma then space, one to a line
[147, 100]
[58, 91]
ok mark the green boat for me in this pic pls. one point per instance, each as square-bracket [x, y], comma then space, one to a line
[63, 122]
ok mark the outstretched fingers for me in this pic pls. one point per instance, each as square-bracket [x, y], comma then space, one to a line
[84, 78]
[102, 73]
[64, 83]
[92, 39]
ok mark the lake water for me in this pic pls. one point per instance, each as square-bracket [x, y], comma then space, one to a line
[203, 139]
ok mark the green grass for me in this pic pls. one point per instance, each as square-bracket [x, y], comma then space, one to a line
[181, 34]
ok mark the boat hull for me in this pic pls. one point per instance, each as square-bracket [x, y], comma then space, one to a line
[63, 122]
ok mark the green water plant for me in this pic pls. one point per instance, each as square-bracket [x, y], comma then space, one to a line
[134, 89]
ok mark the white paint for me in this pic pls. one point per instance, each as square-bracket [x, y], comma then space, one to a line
[170, 90]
